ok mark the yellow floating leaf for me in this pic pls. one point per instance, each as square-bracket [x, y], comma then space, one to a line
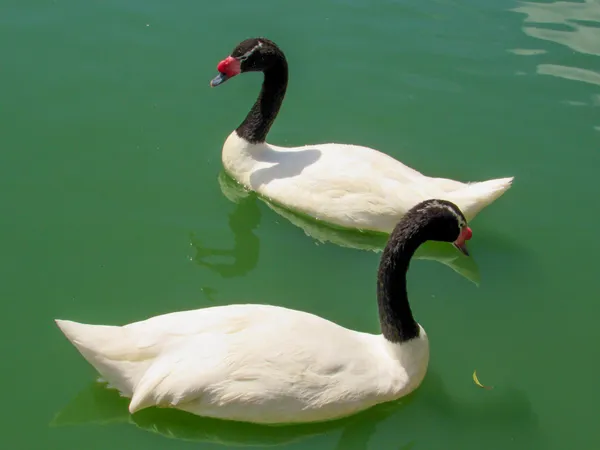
[478, 383]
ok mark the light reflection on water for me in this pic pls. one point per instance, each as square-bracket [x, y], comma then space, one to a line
[571, 24]
[579, 34]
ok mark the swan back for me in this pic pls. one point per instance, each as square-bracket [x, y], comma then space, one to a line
[347, 185]
[254, 363]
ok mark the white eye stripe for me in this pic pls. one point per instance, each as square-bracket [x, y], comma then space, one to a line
[249, 53]
[436, 204]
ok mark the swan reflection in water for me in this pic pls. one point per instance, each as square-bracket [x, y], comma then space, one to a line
[245, 218]
[402, 424]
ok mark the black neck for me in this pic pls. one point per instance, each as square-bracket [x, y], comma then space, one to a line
[257, 123]
[395, 316]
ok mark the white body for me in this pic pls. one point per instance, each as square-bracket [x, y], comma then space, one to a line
[252, 363]
[347, 185]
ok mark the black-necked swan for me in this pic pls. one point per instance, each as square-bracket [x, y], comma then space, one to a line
[269, 364]
[345, 185]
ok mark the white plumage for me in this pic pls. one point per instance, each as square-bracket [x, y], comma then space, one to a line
[253, 363]
[269, 364]
[347, 185]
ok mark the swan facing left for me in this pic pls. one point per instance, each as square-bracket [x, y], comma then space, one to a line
[346, 185]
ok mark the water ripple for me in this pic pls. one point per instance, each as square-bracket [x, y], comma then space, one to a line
[574, 25]
[570, 73]
[578, 31]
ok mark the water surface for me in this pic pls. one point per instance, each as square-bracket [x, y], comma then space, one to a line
[114, 207]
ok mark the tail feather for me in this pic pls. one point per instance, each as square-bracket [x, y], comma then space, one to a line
[108, 350]
[473, 197]
[100, 339]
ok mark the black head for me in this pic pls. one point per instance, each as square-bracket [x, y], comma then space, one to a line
[438, 220]
[251, 55]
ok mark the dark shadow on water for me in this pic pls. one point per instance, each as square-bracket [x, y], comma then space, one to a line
[101, 406]
[291, 165]
[246, 218]
[246, 245]
[418, 418]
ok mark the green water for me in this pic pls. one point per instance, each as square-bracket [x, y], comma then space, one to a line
[114, 207]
